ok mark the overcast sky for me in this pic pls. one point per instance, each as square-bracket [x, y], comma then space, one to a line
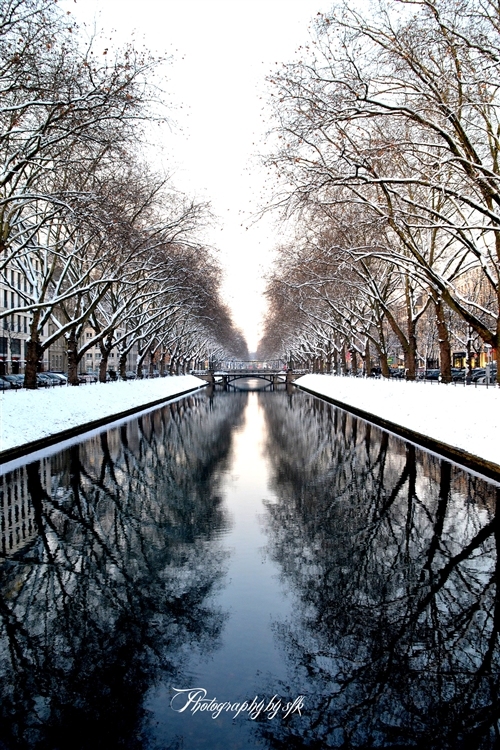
[221, 52]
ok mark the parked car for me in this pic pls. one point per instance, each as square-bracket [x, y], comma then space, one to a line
[58, 377]
[479, 374]
[458, 374]
[87, 377]
[432, 374]
[43, 380]
[14, 380]
[476, 373]
[53, 379]
[50, 379]
[4, 384]
[130, 375]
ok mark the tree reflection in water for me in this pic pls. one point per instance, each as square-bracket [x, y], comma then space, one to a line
[392, 554]
[115, 587]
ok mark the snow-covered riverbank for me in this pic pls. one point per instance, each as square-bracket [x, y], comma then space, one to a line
[462, 417]
[29, 416]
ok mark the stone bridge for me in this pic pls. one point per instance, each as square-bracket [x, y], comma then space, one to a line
[271, 375]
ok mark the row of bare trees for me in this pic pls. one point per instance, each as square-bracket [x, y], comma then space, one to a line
[387, 148]
[90, 235]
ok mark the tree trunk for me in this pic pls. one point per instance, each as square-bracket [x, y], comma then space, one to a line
[34, 354]
[72, 358]
[122, 365]
[138, 367]
[103, 365]
[384, 366]
[33, 359]
[411, 352]
[497, 351]
[444, 341]
[368, 359]
[105, 346]
[343, 361]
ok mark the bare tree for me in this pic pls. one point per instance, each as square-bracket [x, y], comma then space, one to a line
[398, 111]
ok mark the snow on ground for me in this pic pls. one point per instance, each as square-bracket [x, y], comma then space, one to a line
[464, 417]
[32, 415]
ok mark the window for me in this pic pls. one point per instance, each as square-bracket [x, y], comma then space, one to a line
[25, 324]
[89, 356]
[89, 335]
[19, 324]
[15, 347]
[5, 298]
[12, 299]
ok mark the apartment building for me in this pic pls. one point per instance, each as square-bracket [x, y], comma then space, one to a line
[14, 328]
[92, 358]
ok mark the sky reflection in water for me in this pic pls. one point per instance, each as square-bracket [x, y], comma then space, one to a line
[248, 544]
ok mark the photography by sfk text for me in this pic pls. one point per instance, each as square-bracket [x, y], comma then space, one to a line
[194, 700]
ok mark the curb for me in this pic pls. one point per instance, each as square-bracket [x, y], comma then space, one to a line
[21, 450]
[457, 455]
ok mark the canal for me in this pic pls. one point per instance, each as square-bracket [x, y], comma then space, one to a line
[247, 569]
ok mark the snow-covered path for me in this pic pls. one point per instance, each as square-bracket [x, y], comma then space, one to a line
[463, 417]
[28, 416]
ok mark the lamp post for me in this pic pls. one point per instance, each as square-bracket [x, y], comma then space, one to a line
[488, 363]
[468, 372]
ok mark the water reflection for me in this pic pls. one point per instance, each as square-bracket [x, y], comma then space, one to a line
[250, 544]
[393, 558]
[114, 579]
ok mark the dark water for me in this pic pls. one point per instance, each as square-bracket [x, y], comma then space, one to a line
[261, 554]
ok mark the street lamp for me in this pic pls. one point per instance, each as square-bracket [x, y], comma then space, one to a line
[488, 363]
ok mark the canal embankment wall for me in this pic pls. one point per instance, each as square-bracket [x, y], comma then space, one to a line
[461, 423]
[32, 420]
